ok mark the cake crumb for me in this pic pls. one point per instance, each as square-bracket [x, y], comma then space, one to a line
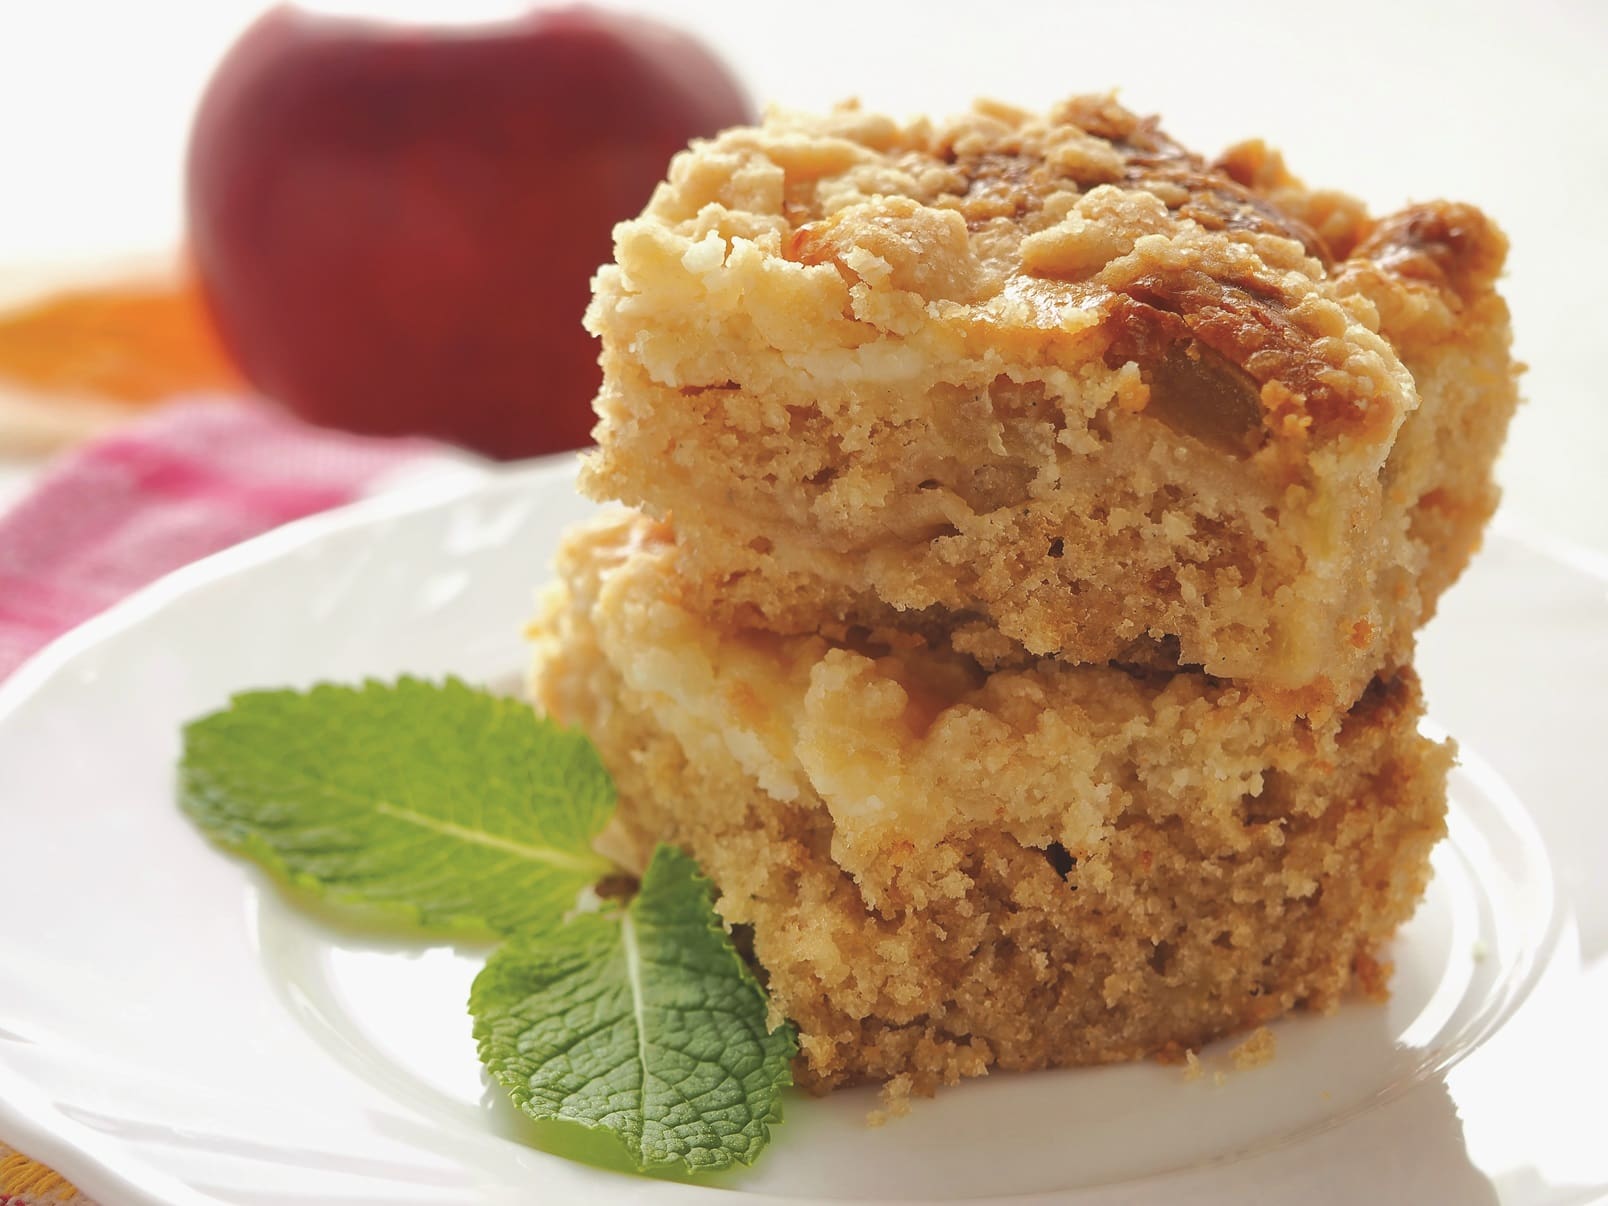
[1193, 1069]
[1255, 1051]
[895, 1099]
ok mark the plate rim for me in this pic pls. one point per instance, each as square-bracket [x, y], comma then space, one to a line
[114, 1171]
[103, 1167]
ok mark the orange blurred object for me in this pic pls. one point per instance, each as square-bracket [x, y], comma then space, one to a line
[129, 343]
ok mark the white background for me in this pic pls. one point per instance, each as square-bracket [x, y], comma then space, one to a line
[1502, 105]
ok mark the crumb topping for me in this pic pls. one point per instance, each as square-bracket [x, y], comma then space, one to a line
[1088, 222]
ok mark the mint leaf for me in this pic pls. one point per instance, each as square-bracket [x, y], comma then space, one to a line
[645, 1023]
[444, 803]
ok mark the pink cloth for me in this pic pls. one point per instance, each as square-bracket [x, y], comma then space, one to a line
[193, 478]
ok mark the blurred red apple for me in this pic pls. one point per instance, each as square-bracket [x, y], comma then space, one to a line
[395, 226]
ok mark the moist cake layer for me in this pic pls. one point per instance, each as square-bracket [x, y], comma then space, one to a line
[1054, 385]
[945, 868]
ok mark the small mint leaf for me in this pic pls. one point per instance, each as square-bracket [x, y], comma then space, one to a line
[456, 807]
[645, 1022]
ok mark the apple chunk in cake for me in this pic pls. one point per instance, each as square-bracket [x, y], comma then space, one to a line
[946, 868]
[1053, 385]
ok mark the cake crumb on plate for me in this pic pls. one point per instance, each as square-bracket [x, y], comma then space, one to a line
[1258, 1049]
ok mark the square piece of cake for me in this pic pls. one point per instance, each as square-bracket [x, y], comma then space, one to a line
[945, 868]
[1052, 385]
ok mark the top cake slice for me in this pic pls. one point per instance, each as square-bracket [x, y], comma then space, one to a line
[1052, 385]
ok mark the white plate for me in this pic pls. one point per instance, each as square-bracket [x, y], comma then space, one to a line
[174, 1030]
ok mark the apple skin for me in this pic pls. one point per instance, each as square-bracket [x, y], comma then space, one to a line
[395, 228]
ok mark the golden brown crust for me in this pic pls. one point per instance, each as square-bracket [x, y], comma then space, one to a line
[1219, 348]
[1008, 168]
[1337, 218]
[1451, 247]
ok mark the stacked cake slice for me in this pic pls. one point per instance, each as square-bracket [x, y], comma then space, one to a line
[1032, 525]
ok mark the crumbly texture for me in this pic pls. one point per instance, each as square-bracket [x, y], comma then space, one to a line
[945, 869]
[893, 1100]
[1258, 1049]
[1050, 384]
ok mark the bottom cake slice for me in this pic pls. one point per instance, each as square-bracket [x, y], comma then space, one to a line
[944, 869]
